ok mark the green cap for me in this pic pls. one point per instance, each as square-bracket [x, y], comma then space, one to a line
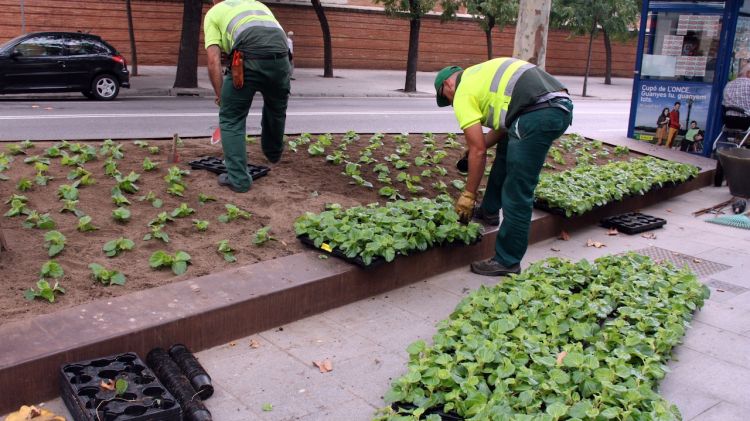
[443, 74]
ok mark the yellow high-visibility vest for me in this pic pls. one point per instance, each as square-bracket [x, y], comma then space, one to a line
[225, 21]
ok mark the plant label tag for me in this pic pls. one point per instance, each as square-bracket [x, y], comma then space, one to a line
[326, 247]
[216, 137]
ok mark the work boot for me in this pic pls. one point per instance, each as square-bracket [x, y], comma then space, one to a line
[487, 217]
[224, 182]
[492, 267]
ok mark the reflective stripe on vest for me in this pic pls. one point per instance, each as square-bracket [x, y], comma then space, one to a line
[236, 20]
[503, 82]
[265, 23]
[235, 27]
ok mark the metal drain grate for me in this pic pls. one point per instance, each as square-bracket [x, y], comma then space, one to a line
[727, 287]
[703, 268]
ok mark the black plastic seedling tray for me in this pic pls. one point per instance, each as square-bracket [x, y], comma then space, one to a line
[145, 398]
[633, 222]
[216, 166]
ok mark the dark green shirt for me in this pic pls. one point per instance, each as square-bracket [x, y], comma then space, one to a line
[532, 84]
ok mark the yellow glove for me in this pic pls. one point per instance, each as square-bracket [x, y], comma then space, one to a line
[465, 206]
[32, 413]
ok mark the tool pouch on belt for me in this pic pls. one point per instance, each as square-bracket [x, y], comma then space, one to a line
[238, 69]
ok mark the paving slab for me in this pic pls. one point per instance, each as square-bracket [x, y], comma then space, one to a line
[723, 411]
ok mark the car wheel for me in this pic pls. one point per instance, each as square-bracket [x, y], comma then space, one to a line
[105, 87]
[88, 94]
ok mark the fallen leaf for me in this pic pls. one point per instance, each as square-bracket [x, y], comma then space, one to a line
[597, 244]
[564, 235]
[325, 366]
[669, 210]
[697, 261]
[34, 106]
[554, 249]
[612, 231]
[232, 343]
[254, 344]
[649, 235]
[195, 288]
[267, 407]
[283, 243]
[561, 357]
[720, 290]
[107, 384]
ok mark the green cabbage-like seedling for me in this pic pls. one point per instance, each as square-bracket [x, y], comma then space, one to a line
[113, 248]
[105, 276]
[37, 220]
[121, 214]
[44, 291]
[263, 236]
[182, 211]
[178, 263]
[149, 165]
[55, 242]
[85, 225]
[51, 269]
[226, 250]
[24, 184]
[233, 212]
[204, 198]
[200, 224]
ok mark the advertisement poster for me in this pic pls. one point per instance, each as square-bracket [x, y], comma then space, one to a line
[654, 96]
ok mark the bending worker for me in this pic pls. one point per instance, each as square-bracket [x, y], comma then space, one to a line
[256, 44]
[525, 109]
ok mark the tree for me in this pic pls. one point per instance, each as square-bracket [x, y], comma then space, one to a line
[327, 48]
[412, 10]
[624, 17]
[187, 61]
[488, 13]
[532, 27]
[134, 55]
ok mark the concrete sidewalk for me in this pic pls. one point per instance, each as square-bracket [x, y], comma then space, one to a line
[366, 341]
[158, 81]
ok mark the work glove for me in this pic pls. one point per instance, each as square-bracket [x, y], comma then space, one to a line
[32, 413]
[465, 206]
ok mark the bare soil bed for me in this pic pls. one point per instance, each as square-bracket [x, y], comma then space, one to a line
[298, 183]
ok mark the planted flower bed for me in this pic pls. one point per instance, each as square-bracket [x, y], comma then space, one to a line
[561, 341]
[368, 234]
[583, 188]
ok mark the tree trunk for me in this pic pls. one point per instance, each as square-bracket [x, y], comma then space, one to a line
[327, 47]
[413, 56]
[531, 31]
[588, 58]
[187, 61]
[488, 34]
[608, 50]
[133, 54]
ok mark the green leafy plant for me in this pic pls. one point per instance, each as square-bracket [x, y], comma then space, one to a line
[44, 291]
[200, 224]
[156, 231]
[110, 168]
[118, 198]
[151, 198]
[390, 192]
[72, 207]
[182, 211]
[141, 143]
[178, 263]
[24, 184]
[36, 159]
[17, 205]
[176, 185]
[15, 150]
[153, 150]
[121, 214]
[204, 198]
[148, 165]
[225, 250]
[458, 184]
[560, 341]
[233, 212]
[54, 241]
[38, 220]
[85, 224]
[107, 277]
[399, 227]
[161, 219]
[127, 183]
[621, 150]
[262, 236]
[68, 191]
[113, 248]
[51, 269]
[112, 149]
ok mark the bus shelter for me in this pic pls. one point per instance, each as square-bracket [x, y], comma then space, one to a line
[687, 52]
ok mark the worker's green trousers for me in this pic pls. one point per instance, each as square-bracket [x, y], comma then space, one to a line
[270, 77]
[515, 174]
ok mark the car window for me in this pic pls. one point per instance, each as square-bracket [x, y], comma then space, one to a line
[40, 46]
[83, 46]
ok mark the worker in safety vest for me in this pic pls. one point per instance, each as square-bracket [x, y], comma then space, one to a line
[525, 109]
[256, 44]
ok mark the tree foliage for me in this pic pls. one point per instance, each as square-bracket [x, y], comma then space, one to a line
[412, 10]
[488, 14]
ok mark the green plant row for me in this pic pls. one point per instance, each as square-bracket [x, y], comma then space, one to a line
[561, 341]
[399, 227]
[580, 189]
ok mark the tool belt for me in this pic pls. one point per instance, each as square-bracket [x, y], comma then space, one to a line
[237, 67]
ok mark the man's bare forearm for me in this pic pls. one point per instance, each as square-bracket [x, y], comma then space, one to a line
[214, 69]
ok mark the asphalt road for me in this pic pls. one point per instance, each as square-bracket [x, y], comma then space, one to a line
[161, 117]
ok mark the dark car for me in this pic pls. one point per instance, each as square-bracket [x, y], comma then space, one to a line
[44, 62]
